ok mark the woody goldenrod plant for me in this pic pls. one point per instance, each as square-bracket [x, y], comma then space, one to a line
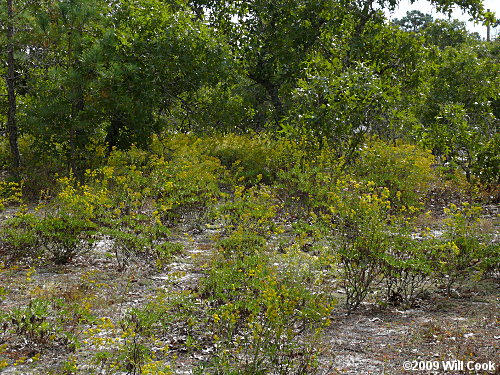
[359, 217]
[463, 251]
[10, 193]
[262, 322]
[62, 229]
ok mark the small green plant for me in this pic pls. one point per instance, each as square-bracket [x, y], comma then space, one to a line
[33, 321]
[306, 176]
[405, 170]
[134, 353]
[263, 322]
[360, 213]
[407, 270]
[463, 250]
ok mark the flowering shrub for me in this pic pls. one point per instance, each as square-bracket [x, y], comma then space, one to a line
[10, 193]
[263, 323]
[463, 249]
[405, 170]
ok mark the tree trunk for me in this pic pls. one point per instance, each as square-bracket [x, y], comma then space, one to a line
[11, 92]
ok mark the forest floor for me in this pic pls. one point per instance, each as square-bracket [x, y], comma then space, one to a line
[374, 339]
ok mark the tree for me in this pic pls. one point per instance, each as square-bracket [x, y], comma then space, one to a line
[448, 33]
[60, 115]
[113, 72]
[10, 80]
[151, 65]
[414, 21]
[458, 119]
[272, 42]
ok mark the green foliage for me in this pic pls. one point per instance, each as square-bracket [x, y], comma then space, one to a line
[156, 64]
[405, 170]
[65, 237]
[251, 210]
[10, 193]
[359, 220]
[19, 237]
[139, 236]
[39, 323]
[306, 176]
[241, 244]
[487, 168]
[63, 229]
[289, 126]
[458, 119]
[448, 33]
[257, 318]
[340, 107]
[407, 269]
[249, 157]
[188, 182]
[32, 321]
[463, 250]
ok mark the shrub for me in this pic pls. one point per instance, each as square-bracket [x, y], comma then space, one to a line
[263, 323]
[407, 270]
[139, 235]
[241, 243]
[487, 167]
[18, 235]
[248, 157]
[463, 250]
[64, 228]
[360, 214]
[32, 321]
[193, 185]
[65, 236]
[306, 176]
[250, 209]
[405, 170]
[186, 180]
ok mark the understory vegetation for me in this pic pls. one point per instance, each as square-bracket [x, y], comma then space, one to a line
[290, 237]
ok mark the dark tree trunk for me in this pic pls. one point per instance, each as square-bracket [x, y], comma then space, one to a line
[11, 92]
[113, 132]
[74, 135]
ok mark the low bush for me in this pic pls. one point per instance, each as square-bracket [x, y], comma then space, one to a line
[463, 251]
[250, 209]
[190, 183]
[405, 170]
[241, 243]
[407, 269]
[263, 323]
[18, 235]
[306, 177]
[139, 235]
[249, 158]
[360, 240]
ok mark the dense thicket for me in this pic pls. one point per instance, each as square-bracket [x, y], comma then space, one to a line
[85, 76]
